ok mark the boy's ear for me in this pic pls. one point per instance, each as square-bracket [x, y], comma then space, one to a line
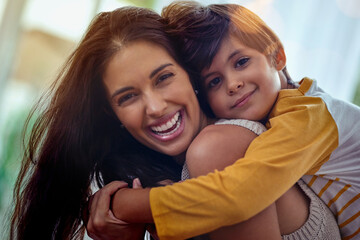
[280, 59]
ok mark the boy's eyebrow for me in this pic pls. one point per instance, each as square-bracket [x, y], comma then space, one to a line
[234, 53]
[153, 73]
[207, 75]
[237, 51]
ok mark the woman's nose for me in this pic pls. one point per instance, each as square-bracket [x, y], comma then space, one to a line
[234, 86]
[155, 105]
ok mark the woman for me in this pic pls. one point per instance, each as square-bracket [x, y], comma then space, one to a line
[77, 138]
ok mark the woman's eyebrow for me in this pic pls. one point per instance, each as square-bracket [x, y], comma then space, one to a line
[121, 90]
[153, 73]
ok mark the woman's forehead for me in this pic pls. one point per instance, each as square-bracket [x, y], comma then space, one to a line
[139, 60]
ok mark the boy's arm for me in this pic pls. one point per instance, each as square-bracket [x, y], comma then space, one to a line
[212, 149]
[133, 205]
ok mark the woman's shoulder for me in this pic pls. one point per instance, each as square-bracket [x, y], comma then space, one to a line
[217, 146]
[226, 131]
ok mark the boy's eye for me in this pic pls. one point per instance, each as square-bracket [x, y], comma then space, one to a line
[163, 77]
[212, 83]
[121, 100]
[241, 62]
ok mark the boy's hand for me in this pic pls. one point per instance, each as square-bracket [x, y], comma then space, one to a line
[102, 224]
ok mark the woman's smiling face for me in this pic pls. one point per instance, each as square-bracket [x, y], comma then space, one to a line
[152, 96]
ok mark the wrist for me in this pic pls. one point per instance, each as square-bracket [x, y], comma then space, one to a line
[132, 205]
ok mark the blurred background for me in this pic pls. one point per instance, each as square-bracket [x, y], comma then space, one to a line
[321, 39]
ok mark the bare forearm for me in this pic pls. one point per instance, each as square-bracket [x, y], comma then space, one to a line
[132, 205]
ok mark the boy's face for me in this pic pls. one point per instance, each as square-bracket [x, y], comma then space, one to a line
[241, 82]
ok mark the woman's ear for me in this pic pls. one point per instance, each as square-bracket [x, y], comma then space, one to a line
[280, 60]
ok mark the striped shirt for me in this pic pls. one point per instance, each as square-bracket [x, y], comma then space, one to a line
[337, 182]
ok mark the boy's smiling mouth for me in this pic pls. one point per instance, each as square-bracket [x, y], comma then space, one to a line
[243, 100]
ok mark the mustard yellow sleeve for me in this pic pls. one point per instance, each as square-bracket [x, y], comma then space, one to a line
[301, 137]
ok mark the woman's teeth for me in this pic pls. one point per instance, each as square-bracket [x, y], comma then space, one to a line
[169, 127]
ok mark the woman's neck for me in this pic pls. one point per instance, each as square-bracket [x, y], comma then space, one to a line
[180, 159]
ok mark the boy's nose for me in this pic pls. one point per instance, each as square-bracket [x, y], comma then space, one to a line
[234, 87]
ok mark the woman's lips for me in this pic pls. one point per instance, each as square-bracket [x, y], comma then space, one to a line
[170, 129]
[243, 100]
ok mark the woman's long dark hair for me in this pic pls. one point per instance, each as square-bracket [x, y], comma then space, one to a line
[77, 139]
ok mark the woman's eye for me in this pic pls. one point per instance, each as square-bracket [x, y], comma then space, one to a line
[241, 62]
[163, 77]
[125, 98]
[212, 83]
